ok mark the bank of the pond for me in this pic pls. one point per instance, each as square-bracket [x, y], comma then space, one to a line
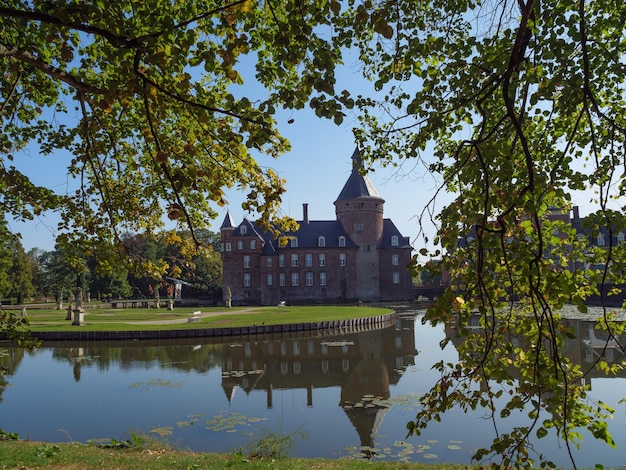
[331, 326]
[113, 324]
[72, 456]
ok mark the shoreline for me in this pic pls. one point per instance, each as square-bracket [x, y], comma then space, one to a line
[348, 325]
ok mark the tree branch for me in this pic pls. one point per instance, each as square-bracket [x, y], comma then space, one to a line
[54, 72]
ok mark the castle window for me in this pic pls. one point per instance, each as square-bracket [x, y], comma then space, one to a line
[367, 247]
[243, 230]
[342, 259]
[358, 227]
[270, 280]
[342, 241]
[228, 247]
[322, 278]
[246, 261]
[308, 260]
[246, 279]
[322, 259]
[294, 260]
[294, 242]
[620, 238]
[240, 244]
[600, 240]
[295, 280]
[281, 261]
[394, 240]
[321, 241]
[396, 277]
[281, 279]
[268, 262]
[394, 260]
[309, 279]
[252, 244]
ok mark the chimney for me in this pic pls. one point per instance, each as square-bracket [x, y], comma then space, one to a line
[576, 214]
[305, 213]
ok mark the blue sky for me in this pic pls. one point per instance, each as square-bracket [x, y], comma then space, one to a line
[316, 169]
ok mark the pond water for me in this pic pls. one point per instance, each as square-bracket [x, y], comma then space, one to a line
[343, 395]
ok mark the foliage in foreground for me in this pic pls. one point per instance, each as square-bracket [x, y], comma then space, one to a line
[515, 107]
[512, 105]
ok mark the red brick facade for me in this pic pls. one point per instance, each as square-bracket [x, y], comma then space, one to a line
[359, 257]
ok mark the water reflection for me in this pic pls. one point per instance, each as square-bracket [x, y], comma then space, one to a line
[349, 389]
[362, 365]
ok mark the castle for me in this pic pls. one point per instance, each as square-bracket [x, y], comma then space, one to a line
[360, 256]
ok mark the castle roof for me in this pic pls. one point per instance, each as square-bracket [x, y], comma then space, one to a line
[358, 184]
[228, 222]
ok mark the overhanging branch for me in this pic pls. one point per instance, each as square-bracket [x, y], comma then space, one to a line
[27, 57]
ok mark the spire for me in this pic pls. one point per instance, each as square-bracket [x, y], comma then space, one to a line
[228, 222]
[357, 186]
[357, 162]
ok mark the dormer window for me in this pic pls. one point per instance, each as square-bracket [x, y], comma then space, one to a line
[321, 241]
[294, 242]
[243, 230]
[600, 240]
[342, 241]
[394, 240]
[620, 238]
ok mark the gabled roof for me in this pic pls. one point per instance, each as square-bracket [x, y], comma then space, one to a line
[307, 235]
[389, 230]
[358, 186]
[331, 230]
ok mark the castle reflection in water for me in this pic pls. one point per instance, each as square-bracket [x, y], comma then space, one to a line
[362, 363]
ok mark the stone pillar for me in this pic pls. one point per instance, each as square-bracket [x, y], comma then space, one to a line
[79, 311]
[79, 317]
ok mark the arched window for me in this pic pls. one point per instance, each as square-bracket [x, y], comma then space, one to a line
[394, 240]
[321, 241]
[294, 242]
[342, 241]
[600, 240]
[243, 229]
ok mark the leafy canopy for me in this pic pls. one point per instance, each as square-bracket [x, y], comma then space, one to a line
[148, 99]
[512, 104]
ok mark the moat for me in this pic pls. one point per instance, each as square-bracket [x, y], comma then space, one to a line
[345, 395]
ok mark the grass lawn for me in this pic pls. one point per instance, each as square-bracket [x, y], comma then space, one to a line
[104, 318]
[72, 456]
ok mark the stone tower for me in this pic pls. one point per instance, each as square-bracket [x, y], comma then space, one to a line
[359, 209]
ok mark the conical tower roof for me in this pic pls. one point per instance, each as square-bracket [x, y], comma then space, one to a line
[228, 222]
[357, 186]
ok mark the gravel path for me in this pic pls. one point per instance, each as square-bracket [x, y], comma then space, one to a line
[186, 319]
